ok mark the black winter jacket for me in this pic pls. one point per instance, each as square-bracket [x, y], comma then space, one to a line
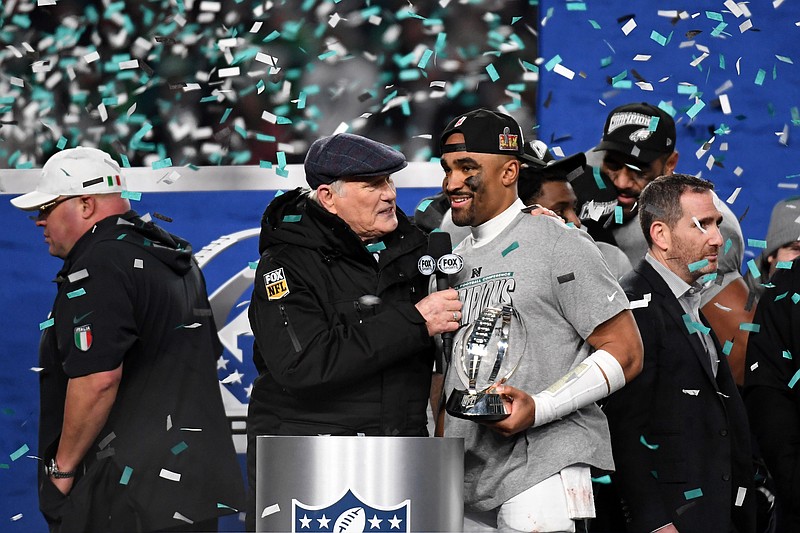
[339, 344]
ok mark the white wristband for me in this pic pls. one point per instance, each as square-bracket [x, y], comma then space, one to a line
[596, 377]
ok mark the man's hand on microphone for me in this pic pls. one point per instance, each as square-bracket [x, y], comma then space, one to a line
[441, 311]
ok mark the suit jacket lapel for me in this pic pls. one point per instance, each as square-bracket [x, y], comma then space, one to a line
[675, 312]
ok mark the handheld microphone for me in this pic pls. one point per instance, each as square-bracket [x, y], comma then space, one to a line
[440, 249]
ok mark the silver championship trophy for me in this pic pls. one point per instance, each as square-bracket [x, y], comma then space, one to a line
[478, 356]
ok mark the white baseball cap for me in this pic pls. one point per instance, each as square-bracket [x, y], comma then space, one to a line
[74, 172]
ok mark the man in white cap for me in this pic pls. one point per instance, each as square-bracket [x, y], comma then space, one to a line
[128, 357]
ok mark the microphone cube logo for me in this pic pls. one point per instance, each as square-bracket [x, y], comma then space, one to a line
[426, 265]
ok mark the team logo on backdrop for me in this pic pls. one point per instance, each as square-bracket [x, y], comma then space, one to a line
[275, 282]
[350, 515]
[83, 337]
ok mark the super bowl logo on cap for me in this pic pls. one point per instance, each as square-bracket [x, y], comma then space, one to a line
[508, 141]
[350, 515]
[275, 283]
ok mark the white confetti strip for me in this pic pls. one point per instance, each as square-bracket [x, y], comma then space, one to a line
[271, 509]
[94, 56]
[170, 475]
[629, 26]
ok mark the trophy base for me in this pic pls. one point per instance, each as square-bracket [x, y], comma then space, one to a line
[481, 406]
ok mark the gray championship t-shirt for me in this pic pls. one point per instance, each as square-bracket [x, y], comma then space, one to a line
[559, 284]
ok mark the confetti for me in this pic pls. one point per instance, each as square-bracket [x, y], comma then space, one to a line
[645, 443]
[170, 475]
[513, 246]
[126, 475]
[692, 494]
[270, 510]
[22, 450]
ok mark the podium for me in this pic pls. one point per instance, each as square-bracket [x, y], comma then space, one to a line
[359, 484]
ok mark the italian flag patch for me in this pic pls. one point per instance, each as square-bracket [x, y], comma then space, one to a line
[83, 337]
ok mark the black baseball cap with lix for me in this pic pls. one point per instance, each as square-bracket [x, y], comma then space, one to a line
[641, 130]
[485, 132]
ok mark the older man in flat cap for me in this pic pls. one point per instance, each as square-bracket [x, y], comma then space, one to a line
[343, 327]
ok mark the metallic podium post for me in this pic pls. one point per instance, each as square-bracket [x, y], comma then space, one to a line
[359, 484]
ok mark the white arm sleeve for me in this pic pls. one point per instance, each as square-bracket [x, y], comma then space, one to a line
[595, 378]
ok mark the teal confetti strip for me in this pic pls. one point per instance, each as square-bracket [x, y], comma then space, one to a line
[598, 179]
[692, 494]
[794, 379]
[46, 324]
[760, 75]
[722, 62]
[619, 77]
[667, 108]
[530, 66]
[283, 172]
[550, 65]
[426, 56]
[707, 278]
[376, 247]
[301, 100]
[223, 506]
[576, 6]
[126, 475]
[22, 450]
[749, 326]
[795, 298]
[493, 75]
[781, 296]
[784, 59]
[292, 218]
[271, 37]
[653, 124]
[281, 159]
[423, 205]
[265, 137]
[441, 40]
[726, 349]
[645, 443]
[326, 55]
[125, 161]
[695, 109]
[178, 448]
[225, 115]
[265, 164]
[657, 37]
[784, 265]
[753, 268]
[252, 264]
[618, 214]
[697, 265]
[162, 163]
[121, 236]
[76, 293]
[606, 61]
[692, 326]
[787, 354]
[594, 24]
[602, 480]
[713, 15]
[62, 142]
[513, 246]
[728, 245]
[687, 89]
[130, 195]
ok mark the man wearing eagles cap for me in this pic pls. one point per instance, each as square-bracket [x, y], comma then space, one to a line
[531, 470]
[638, 145]
[128, 358]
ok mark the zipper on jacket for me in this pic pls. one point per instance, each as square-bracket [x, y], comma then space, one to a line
[290, 329]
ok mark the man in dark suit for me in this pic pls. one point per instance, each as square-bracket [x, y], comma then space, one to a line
[679, 431]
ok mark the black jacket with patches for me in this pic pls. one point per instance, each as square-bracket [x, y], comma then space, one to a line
[339, 344]
[131, 294]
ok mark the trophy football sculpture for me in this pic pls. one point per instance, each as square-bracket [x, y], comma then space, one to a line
[478, 356]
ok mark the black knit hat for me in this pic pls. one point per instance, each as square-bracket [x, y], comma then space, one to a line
[642, 131]
[485, 132]
[346, 155]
